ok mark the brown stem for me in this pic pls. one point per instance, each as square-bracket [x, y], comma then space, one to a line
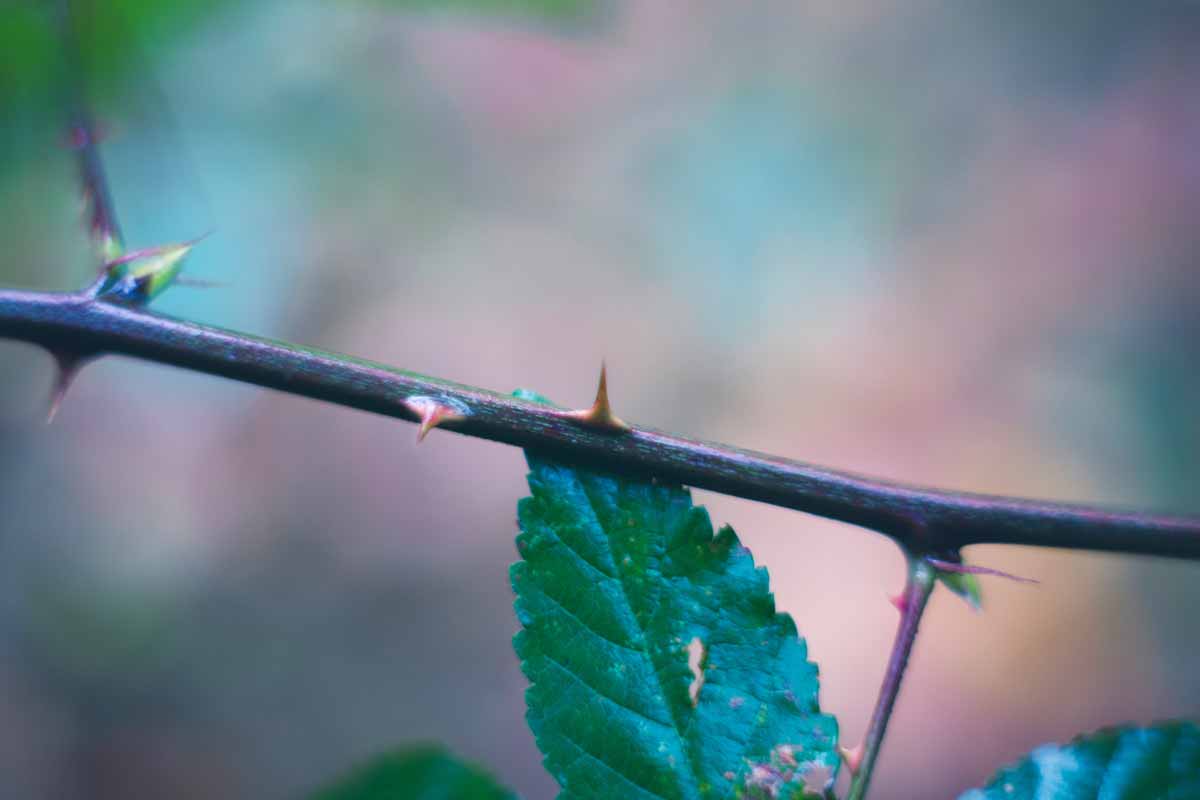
[922, 520]
[921, 578]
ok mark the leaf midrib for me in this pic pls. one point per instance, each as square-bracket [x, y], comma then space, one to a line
[692, 790]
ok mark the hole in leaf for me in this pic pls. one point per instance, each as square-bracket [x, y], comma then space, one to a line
[697, 656]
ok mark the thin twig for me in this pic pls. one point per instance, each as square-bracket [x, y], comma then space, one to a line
[922, 520]
[921, 579]
[99, 211]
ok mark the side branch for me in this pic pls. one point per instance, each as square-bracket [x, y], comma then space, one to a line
[922, 520]
[101, 215]
[921, 579]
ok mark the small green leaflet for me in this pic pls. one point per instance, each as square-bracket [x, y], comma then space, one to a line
[964, 585]
[622, 580]
[1156, 763]
[139, 276]
[962, 579]
[421, 773]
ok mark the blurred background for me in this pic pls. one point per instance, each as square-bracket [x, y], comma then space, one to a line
[949, 243]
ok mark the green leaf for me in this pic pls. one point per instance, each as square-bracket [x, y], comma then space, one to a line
[111, 36]
[965, 585]
[420, 773]
[1155, 763]
[551, 10]
[621, 578]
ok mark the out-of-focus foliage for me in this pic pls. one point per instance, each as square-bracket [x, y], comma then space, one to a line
[658, 663]
[28, 44]
[424, 773]
[111, 35]
[1115, 764]
[552, 10]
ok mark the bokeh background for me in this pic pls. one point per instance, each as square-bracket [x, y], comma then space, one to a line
[951, 243]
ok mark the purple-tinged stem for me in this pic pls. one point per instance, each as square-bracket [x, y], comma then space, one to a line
[921, 579]
[99, 211]
[922, 520]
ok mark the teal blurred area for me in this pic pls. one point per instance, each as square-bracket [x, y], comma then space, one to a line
[950, 243]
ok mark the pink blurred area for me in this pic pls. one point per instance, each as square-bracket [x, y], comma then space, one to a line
[945, 243]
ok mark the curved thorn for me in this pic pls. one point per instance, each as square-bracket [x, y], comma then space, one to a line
[432, 414]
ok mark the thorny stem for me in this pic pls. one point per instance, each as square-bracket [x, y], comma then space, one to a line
[921, 579]
[76, 327]
[919, 519]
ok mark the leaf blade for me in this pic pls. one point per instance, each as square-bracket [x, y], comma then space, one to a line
[618, 576]
[425, 772]
[1129, 763]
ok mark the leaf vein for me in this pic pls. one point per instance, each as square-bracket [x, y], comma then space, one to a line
[689, 752]
[589, 754]
[581, 680]
[575, 551]
[586, 626]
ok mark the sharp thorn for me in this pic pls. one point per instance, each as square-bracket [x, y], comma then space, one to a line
[176, 249]
[971, 569]
[432, 414]
[149, 252]
[852, 756]
[67, 368]
[429, 420]
[600, 415]
[899, 601]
